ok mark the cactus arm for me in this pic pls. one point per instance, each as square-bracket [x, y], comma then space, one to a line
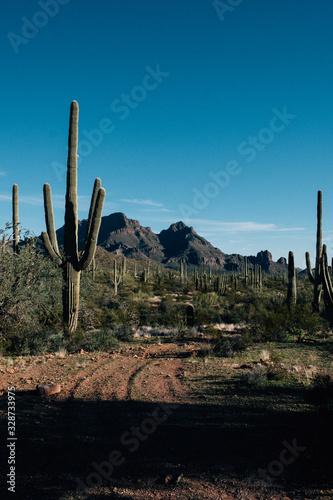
[97, 186]
[49, 248]
[328, 289]
[49, 220]
[91, 242]
[308, 267]
[71, 217]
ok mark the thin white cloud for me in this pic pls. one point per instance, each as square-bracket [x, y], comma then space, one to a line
[3, 173]
[143, 202]
[238, 226]
[154, 210]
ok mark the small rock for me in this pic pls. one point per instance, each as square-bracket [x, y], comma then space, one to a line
[48, 389]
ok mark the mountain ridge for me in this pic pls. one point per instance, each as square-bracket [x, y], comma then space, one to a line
[120, 235]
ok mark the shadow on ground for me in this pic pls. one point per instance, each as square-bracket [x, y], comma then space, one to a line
[58, 441]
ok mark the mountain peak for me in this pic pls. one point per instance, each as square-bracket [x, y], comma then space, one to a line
[118, 220]
[176, 226]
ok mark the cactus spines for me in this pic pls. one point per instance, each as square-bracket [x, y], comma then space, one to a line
[16, 232]
[316, 279]
[292, 291]
[71, 261]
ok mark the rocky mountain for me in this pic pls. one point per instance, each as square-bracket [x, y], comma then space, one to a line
[121, 235]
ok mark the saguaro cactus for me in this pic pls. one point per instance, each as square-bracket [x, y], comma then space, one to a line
[316, 279]
[71, 261]
[117, 279]
[246, 271]
[16, 232]
[291, 292]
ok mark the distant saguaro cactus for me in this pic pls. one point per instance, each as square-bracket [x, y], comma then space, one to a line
[292, 291]
[16, 232]
[71, 261]
[316, 279]
[116, 279]
[246, 270]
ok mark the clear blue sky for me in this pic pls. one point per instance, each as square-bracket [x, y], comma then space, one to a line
[220, 119]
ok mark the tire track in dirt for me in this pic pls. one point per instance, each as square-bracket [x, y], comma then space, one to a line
[86, 377]
[132, 378]
[157, 380]
[110, 381]
[129, 376]
[132, 375]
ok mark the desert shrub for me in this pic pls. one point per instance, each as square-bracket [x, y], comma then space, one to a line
[255, 378]
[280, 323]
[56, 341]
[208, 308]
[99, 340]
[123, 333]
[30, 299]
[226, 347]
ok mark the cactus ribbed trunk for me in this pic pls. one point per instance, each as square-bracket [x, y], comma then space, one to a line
[319, 246]
[71, 296]
[317, 278]
[71, 217]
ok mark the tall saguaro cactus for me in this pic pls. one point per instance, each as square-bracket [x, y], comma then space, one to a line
[71, 261]
[316, 279]
[16, 232]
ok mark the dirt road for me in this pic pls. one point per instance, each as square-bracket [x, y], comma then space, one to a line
[132, 424]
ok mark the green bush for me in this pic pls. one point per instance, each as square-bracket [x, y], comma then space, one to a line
[30, 300]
